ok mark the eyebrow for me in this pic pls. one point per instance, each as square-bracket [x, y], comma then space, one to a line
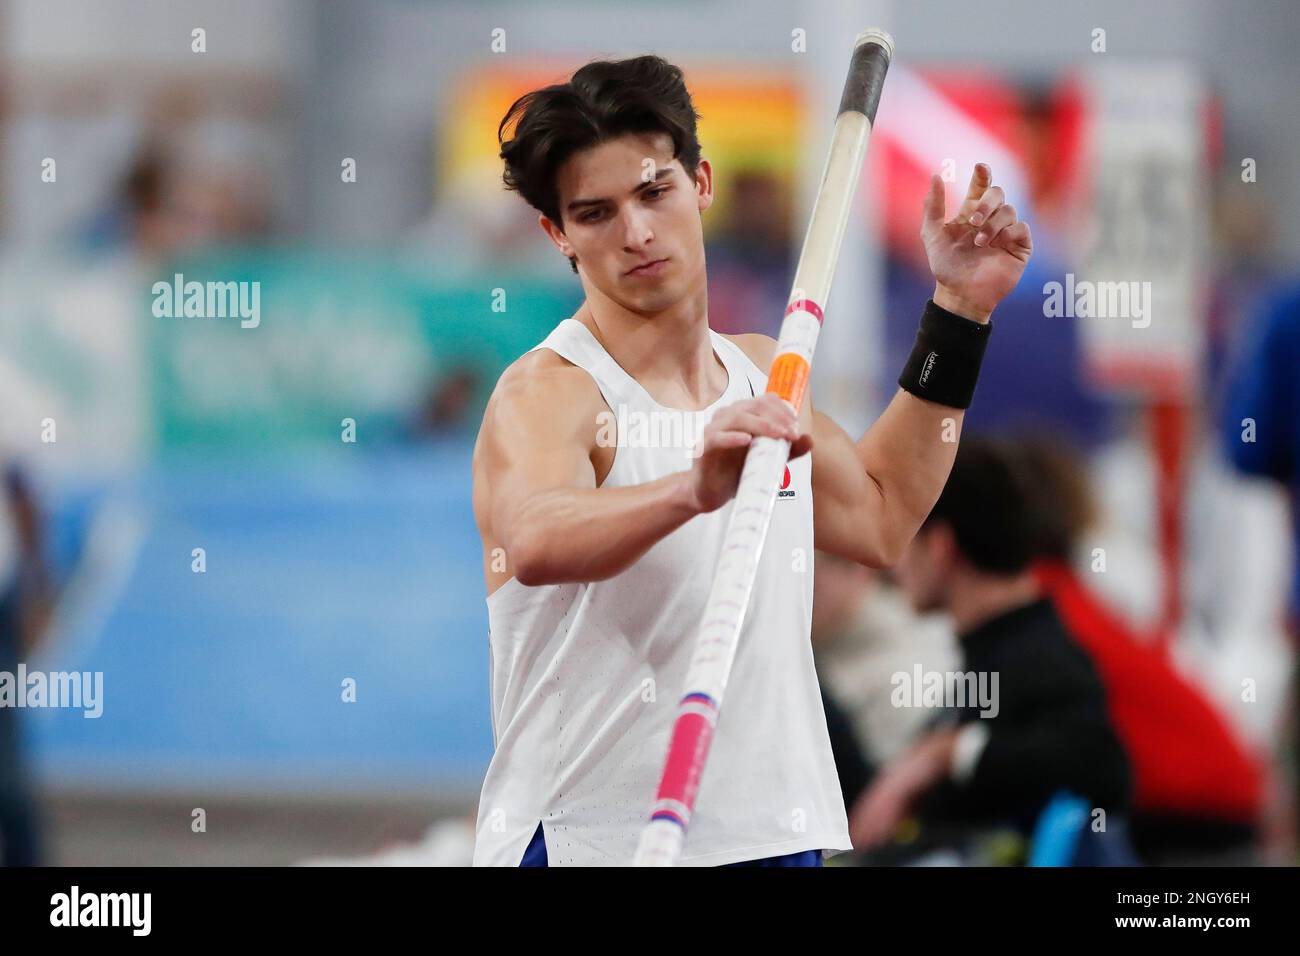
[581, 203]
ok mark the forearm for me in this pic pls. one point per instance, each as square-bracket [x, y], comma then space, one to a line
[908, 453]
[590, 534]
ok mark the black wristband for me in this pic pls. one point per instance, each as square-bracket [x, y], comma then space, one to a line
[945, 361]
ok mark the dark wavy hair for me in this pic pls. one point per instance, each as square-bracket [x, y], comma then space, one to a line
[1015, 499]
[603, 100]
[991, 505]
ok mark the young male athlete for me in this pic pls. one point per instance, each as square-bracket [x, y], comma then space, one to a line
[599, 544]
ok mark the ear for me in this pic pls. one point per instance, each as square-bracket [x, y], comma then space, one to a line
[555, 234]
[704, 184]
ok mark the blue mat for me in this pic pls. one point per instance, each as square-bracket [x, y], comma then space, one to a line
[353, 564]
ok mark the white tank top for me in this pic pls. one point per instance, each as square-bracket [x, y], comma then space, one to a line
[585, 678]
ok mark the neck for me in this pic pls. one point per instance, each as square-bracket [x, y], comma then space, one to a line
[669, 352]
[975, 598]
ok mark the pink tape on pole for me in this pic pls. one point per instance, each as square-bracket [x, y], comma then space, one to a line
[692, 734]
[806, 305]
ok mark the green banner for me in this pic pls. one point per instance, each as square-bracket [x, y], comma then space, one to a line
[277, 348]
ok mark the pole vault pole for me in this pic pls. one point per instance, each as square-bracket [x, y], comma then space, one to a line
[715, 648]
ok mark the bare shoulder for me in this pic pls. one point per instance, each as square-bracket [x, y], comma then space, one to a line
[541, 390]
[543, 373]
[759, 347]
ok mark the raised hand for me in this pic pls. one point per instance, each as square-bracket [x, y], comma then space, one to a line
[978, 256]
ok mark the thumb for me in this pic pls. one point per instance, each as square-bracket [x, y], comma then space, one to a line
[934, 204]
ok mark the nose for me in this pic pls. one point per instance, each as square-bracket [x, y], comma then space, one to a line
[637, 233]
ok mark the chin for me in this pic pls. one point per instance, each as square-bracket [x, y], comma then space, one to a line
[654, 300]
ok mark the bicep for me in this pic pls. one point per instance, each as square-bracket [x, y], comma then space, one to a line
[846, 500]
[535, 445]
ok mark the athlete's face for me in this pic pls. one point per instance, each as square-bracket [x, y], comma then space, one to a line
[628, 202]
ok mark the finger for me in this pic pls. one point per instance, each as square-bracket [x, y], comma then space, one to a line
[992, 199]
[932, 209]
[727, 439]
[770, 400]
[731, 416]
[980, 180]
[1016, 239]
[781, 419]
[1001, 218]
[765, 425]
[777, 409]
[762, 400]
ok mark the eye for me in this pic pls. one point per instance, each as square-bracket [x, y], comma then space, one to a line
[656, 193]
[590, 217]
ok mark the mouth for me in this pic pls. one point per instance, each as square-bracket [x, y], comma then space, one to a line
[649, 269]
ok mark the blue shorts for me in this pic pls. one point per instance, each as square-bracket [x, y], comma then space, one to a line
[535, 855]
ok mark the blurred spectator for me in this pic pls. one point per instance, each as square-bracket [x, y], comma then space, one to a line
[90, 311]
[1234, 561]
[1197, 790]
[25, 604]
[449, 402]
[1047, 730]
[1244, 238]
[863, 633]
[749, 253]
[1261, 426]
[174, 196]
[1261, 437]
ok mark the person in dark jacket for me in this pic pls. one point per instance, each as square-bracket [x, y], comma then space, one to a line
[1027, 718]
[25, 605]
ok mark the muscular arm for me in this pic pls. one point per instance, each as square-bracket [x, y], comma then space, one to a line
[535, 477]
[535, 484]
[870, 496]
